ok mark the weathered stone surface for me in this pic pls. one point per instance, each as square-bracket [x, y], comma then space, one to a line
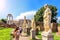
[24, 24]
[47, 34]
[33, 30]
[32, 34]
[54, 27]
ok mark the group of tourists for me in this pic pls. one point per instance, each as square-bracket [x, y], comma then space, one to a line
[16, 33]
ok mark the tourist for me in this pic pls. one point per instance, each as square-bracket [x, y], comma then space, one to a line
[20, 29]
[16, 33]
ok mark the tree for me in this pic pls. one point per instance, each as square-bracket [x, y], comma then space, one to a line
[4, 20]
[39, 14]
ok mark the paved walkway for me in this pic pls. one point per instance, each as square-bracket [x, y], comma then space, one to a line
[23, 37]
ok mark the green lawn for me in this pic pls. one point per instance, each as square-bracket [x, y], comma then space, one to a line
[55, 36]
[5, 33]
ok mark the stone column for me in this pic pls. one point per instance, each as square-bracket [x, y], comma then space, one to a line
[47, 33]
[9, 19]
[32, 32]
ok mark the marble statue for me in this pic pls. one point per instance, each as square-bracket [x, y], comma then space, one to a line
[33, 23]
[32, 32]
[47, 33]
[24, 23]
[47, 18]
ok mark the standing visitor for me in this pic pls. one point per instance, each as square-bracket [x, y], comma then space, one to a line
[16, 33]
[20, 29]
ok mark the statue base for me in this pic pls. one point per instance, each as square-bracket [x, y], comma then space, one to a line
[32, 34]
[47, 36]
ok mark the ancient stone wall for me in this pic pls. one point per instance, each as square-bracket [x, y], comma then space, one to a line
[7, 25]
[41, 26]
[54, 27]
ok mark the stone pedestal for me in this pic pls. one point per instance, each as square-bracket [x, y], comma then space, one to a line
[25, 30]
[32, 34]
[47, 36]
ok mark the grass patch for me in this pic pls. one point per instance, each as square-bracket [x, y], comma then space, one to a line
[39, 34]
[1, 28]
[5, 33]
[54, 33]
[56, 37]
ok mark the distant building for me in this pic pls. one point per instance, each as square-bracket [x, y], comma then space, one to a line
[20, 22]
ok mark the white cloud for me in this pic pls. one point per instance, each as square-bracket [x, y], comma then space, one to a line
[27, 14]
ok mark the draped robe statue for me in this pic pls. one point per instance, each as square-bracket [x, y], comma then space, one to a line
[33, 24]
[47, 18]
[32, 32]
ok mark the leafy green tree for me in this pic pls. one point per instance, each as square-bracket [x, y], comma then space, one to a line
[39, 14]
[4, 20]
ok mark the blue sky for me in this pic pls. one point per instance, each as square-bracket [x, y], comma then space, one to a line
[21, 8]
